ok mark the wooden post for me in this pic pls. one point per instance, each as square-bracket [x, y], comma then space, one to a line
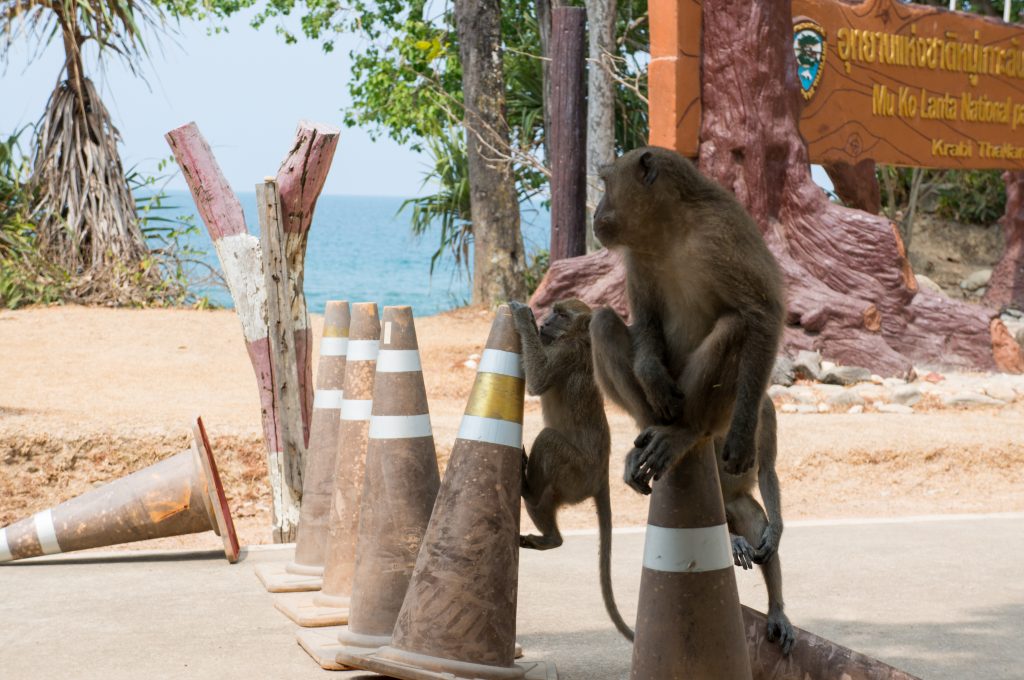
[568, 135]
[285, 465]
[300, 180]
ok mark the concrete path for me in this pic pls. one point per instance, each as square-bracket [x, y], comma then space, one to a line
[942, 598]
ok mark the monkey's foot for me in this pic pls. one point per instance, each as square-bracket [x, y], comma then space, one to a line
[534, 542]
[742, 552]
[739, 451]
[780, 629]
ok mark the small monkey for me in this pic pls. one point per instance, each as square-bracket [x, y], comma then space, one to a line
[568, 461]
[706, 298]
[751, 525]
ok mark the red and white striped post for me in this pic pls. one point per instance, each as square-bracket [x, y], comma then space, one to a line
[300, 181]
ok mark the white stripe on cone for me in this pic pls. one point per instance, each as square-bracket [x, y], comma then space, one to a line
[398, 361]
[328, 399]
[363, 350]
[356, 409]
[502, 362]
[399, 427]
[5, 549]
[45, 532]
[687, 550]
[333, 347]
[491, 430]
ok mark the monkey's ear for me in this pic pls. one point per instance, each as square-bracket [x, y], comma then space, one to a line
[648, 167]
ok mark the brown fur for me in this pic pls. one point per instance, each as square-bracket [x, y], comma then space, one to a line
[706, 298]
[568, 461]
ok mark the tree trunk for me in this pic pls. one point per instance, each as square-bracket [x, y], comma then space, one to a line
[568, 136]
[856, 185]
[600, 103]
[498, 261]
[1006, 287]
[544, 29]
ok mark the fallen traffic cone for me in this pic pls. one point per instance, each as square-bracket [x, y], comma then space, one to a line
[179, 495]
[329, 606]
[811, 657]
[458, 618]
[689, 623]
[398, 494]
[306, 571]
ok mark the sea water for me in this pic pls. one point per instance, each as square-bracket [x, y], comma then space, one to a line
[362, 249]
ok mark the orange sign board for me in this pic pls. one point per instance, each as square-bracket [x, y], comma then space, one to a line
[883, 80]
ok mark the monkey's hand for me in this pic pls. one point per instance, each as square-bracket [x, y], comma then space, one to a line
[770, 538]
[739, 450]
[663, 395]
[655, 451]
[522, 314]
[742, 552]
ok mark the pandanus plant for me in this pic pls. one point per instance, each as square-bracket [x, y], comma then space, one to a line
[88, 223]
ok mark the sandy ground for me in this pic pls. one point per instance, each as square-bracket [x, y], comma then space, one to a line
[88, 394]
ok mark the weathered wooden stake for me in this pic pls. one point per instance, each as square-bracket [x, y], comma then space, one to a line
[300, 180]
[285, 465]
[568, 135]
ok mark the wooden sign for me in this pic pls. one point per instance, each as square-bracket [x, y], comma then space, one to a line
[896, 83]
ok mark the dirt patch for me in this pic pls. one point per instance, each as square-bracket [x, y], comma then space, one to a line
[97, 393]
[948, 252]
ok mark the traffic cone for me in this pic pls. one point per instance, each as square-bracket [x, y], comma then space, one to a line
[179, 495]
[811, 657]
[329, 606]
[306, 571]
[689, 623]
[398, 494]
[458, 618]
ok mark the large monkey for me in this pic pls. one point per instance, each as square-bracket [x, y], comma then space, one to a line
[706, 297]
[751, 525]
[568, 461]
[707, 305]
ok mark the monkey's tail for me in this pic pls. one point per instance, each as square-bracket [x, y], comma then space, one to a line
[604, 530]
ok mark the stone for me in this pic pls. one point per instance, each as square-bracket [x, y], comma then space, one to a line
[871, 392]
[827, 365]
[894, 408]
[777, 391]
[807, 365]
[783, 372]
[924, 283]
[1001, 391]
[893, 382]
[976, 280]
[846, 375]
[846, 398]
[828, 390]
[970, 399]
[856, 409]
[907, 394]
[877, 379]
[824, 408]
[788, 408]
[802, 395]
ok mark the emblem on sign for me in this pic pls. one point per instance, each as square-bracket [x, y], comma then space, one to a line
[809, 45]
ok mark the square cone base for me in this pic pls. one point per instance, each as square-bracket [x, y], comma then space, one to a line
[277, 579]
[300, 608]
[524, 669]
[322, 644]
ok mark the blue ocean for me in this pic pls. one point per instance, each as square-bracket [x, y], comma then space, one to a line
[361, 249]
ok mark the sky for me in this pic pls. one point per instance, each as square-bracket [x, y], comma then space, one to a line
[246, 90]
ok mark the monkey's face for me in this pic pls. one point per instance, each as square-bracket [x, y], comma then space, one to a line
[566, 316]
[629, 197]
